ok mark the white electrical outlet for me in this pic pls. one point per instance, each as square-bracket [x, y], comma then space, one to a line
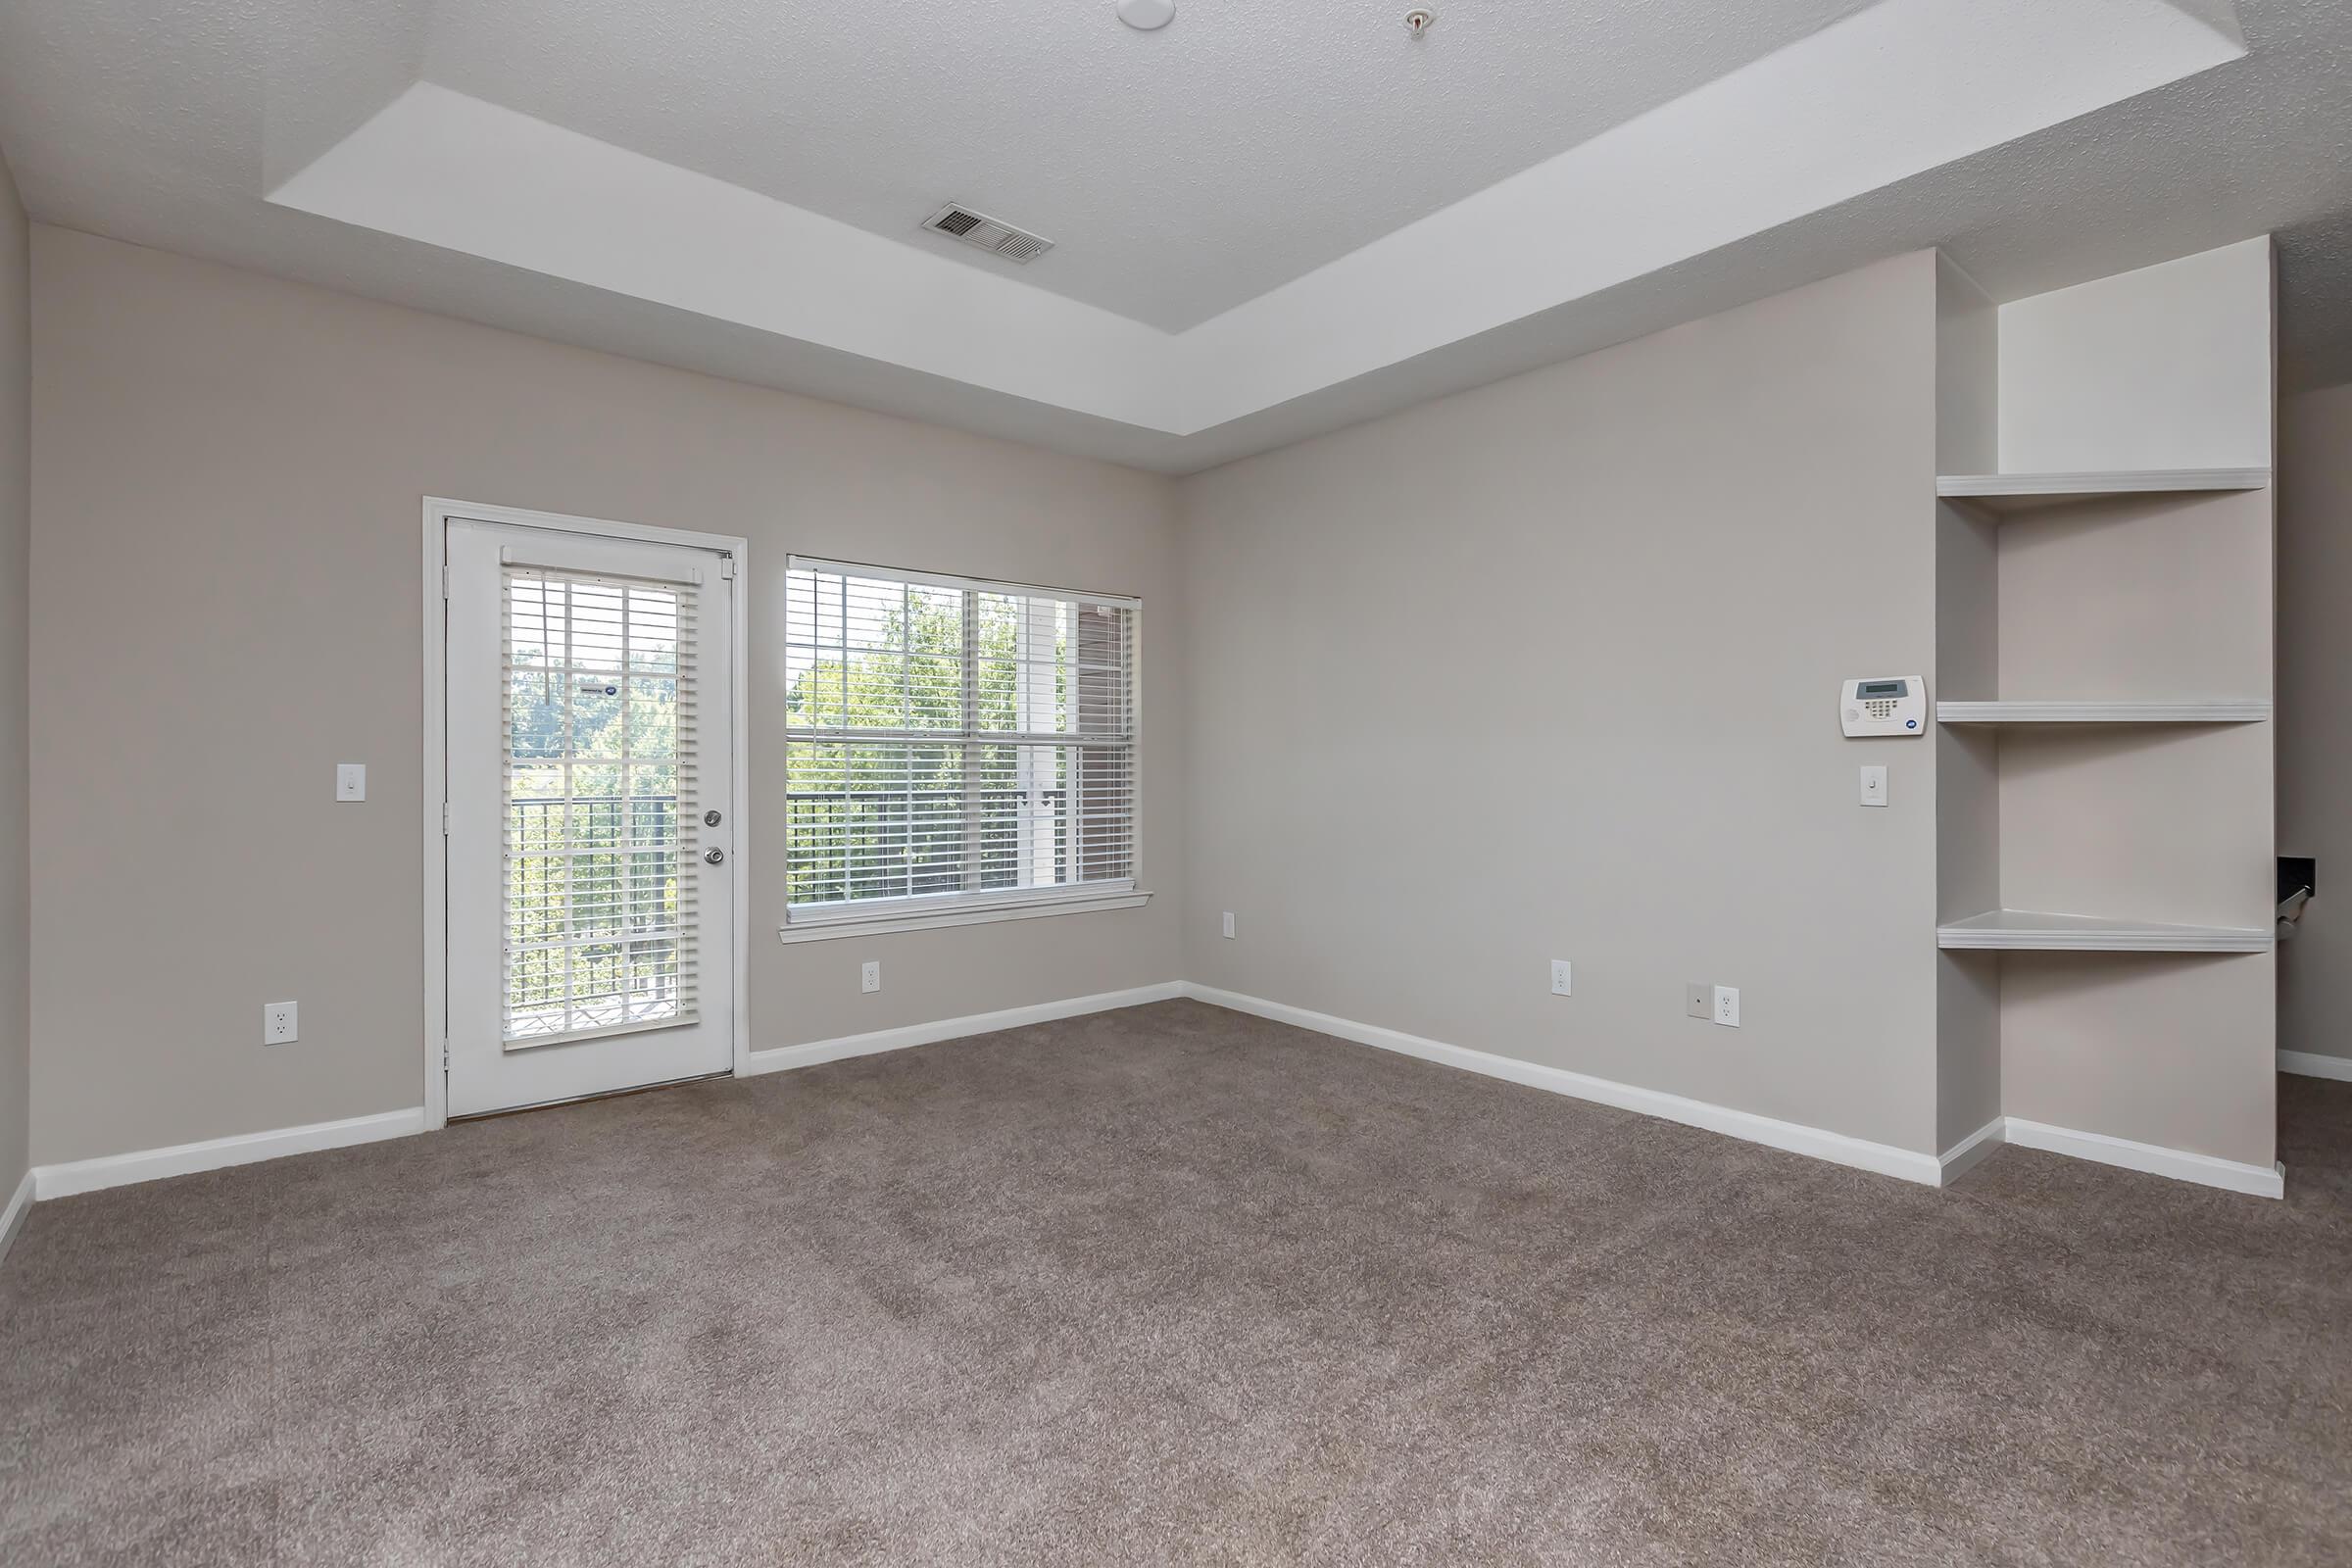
[1559, 977]
[869, 978]
[1727, 1007]
[351, 781]
[1228, 925]
[277, 1023]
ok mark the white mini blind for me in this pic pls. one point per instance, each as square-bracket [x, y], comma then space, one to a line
[953, 740]
[600, 852]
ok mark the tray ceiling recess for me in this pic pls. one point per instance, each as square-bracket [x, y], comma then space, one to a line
[1270, 221]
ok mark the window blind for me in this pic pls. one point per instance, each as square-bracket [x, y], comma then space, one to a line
[600, 881]
[949, 740]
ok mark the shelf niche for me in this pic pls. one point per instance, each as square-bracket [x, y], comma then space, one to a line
[2104, 585]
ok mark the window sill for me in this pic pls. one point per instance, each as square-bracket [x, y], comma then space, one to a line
[888, 922]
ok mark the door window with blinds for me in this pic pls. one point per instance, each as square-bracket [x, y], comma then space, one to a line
[951, 741]
[599, 723]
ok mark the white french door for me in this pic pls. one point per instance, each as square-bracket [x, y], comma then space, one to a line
[591, 827]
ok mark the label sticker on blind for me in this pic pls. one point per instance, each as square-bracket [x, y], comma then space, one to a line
[597, 688]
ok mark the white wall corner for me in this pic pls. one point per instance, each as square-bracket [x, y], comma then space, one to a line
[1970, 1152]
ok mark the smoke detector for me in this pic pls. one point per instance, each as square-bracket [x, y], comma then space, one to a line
[1147, 16]
[1419, 21]
[997, 238]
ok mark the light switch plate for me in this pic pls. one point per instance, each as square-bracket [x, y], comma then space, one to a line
[1874, 784]
[1229, 925]
[351, 781]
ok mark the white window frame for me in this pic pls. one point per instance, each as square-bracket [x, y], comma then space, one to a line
[929, 910]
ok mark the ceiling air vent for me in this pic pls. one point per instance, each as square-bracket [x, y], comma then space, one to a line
[997, 238]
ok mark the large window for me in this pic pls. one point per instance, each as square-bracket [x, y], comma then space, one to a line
[952, 744]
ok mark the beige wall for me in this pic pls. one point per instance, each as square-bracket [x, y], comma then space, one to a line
[16, 479]
[1548, 670]
[2314, 709]
[227, 531]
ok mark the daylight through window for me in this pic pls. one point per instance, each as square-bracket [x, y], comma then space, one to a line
[953, 741]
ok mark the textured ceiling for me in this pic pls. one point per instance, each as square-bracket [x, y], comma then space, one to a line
[1180, 172]
[167, 125]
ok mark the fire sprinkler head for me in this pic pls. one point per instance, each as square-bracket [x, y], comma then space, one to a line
[1419, 21]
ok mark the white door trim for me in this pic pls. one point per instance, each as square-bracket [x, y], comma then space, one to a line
[438, 510]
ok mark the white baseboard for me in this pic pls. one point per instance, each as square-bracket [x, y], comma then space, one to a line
[782, 1058]
[116, 1170]
[11, 1218]
[2310, 1064]
[2263, 1181]
[1839, 1149]
[182, 1159]
[1964, 1155]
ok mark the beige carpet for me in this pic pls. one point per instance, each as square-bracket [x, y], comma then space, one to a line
[1174, 1286]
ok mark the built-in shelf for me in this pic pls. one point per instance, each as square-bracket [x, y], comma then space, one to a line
[2023, 492]
[2028, 930]
[2197, 711]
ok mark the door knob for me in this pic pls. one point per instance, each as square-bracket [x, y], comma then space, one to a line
[709, 819]
[714, 856]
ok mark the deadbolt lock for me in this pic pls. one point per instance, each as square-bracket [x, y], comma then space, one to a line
[714, 856]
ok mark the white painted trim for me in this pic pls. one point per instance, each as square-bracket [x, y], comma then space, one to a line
[2087, 486]
[784, 1057]
[438, 510]
[215, 1153]
[2178, 1163]
[2214, 711]
[2313, 1064]
[11, 1218]
[1964, 1155]
[2034, 930]
[1837, 1148]
[74, 1177]
[825, 928]
[596, 527]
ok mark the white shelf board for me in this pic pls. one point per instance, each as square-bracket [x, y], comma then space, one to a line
[2028, 930]
[2020, 492]
[2193, 711]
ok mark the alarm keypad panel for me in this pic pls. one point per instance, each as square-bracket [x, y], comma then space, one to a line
[1883, 704]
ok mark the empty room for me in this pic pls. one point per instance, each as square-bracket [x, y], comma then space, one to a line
[1084, 782]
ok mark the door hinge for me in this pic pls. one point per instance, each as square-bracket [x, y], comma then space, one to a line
[726, 564]
[445, 820]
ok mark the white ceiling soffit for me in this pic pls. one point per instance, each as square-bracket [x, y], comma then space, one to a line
[1274, 219]
[1896, 89]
